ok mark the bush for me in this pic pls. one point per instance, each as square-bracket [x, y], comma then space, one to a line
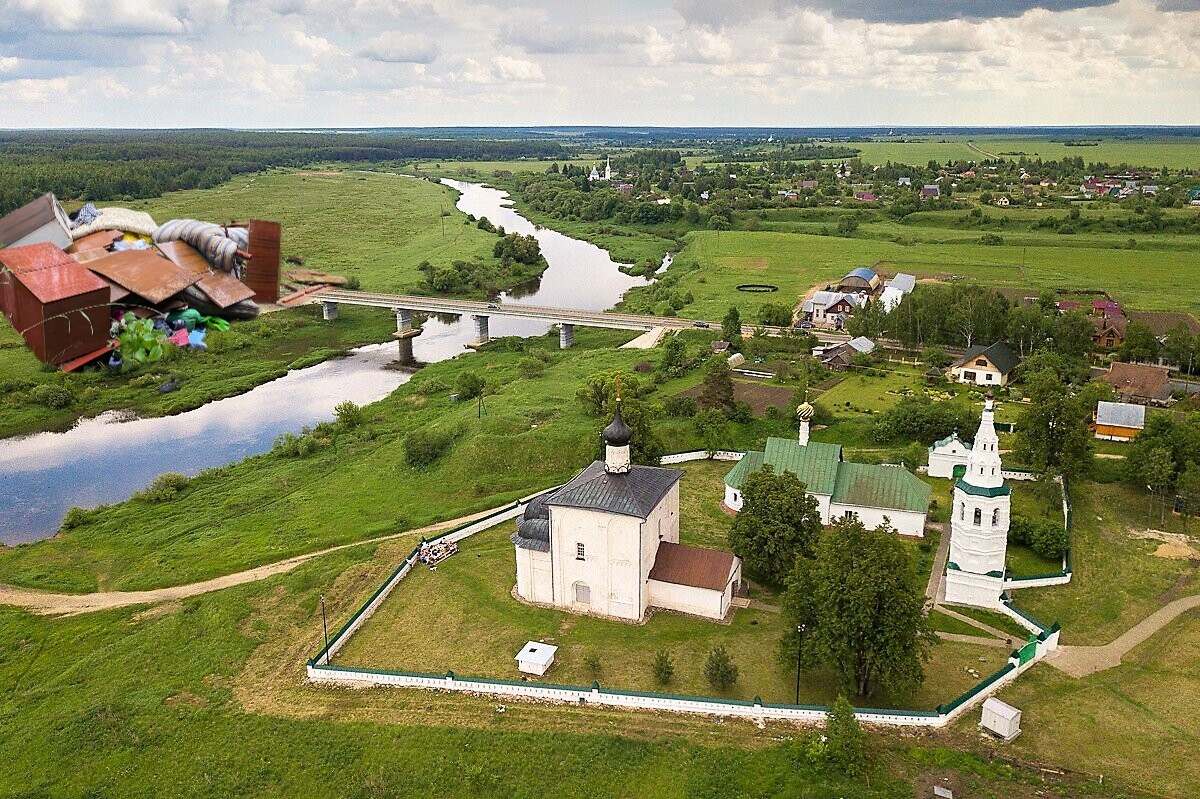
[52, 396]
[720, 670]
[1046, 537]
[531, 368]
[845, 744]
[991, 239]
[164, 488]
[76, 517]
[680, 407]
[741, 412]
[348, 414]
[423, 447]
[469, 385]
[431, 386]
[663, 667]
[592, 662]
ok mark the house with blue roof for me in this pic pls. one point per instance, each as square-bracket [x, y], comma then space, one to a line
[860, 280]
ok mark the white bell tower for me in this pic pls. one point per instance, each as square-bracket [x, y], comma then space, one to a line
[979, 523]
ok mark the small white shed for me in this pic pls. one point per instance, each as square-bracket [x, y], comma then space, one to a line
[535, 658]
[1001, 719]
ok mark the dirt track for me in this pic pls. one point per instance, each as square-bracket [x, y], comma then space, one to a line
[50, 604]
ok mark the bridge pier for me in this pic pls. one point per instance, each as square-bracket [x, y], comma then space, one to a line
[404, 335]
[329, 311]
[566, 336]
[481, 331]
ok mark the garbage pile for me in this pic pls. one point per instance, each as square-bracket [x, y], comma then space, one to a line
[71, 284]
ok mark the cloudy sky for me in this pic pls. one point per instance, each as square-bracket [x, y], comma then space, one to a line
[327, 63]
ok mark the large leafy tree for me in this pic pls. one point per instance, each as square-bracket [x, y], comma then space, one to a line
[717, 390]
[731, 327]
[1053, 435]
[778, 524]
[862, 606]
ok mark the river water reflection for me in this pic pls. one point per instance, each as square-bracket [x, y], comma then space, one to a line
[107, 459]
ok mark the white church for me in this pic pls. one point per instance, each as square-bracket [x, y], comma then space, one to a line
[979, 523]
[607, 544]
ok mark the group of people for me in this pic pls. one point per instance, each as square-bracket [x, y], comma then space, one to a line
[434, 552]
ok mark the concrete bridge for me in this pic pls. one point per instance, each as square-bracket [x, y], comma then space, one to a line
[404, 305]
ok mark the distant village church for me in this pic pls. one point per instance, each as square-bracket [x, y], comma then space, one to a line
[979, 522]
[607, 544]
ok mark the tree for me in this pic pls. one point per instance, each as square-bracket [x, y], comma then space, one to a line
[778, 524]
[1140, 343]
[663, 667]
[717, 391]
[845, 743]
[1027, 327]
[713, 429]
[1052, 432]
[1071, 334]
[720, 670]
[600, 390]
[863, 607]
[776, 314]
[674, 357]
[731, 327]
[1180, 347]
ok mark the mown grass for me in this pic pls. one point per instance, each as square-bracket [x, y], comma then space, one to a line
[1135, 722]
[463, 618]
[1117, 580]
[797, 262]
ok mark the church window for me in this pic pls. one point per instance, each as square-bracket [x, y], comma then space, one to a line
[996, 517]
[849, 514]
[962, 511]
[978, 518]
[581, 553]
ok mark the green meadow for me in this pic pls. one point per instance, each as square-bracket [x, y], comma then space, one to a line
[1174, 152]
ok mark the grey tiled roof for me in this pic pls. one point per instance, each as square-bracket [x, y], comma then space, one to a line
[634, 493]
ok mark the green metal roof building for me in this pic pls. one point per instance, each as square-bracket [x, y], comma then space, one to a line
[841, 488]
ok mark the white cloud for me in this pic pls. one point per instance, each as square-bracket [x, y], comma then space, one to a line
[517, 69]
[314, 46]
[401, 48]
[8, 64]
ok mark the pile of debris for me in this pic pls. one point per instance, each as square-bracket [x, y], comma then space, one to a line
[68, 283]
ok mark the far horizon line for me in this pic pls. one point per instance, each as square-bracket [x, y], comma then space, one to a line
[634, 128]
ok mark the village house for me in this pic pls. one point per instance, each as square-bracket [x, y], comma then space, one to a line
[930, 192]
[607, 544]
[985, 366]
[871, 493]
[830, 308]
[839, 358]
[1118, 421]
[1108, 332]
[1139, 383]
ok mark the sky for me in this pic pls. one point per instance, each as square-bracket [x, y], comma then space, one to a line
[785, 63]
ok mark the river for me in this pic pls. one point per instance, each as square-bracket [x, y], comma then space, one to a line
[108, 458]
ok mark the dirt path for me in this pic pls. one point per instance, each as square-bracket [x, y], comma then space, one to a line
[1080, 661]
[49, 604]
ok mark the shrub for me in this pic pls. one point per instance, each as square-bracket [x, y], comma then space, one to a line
[531, 368]
[164, 488]
[431, 386]
[592, 662]
[720, 670]
[991, 239]
[423, 447]
[76, 517]
[52, 396]
[741, 412]
[680, 407]
[469, 385]
[352, 283]
[348, 414]
[663, 667]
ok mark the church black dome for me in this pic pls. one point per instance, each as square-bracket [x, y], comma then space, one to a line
[617, 434]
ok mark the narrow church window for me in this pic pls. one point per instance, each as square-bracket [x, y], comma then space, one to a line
[580, 554]
[978, 518]
[962, 511]
[996, 517]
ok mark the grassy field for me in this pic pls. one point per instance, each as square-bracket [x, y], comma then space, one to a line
[1118, 580]
[1176, 152]
[463, 618]
[375, 226]
[797, 263]
[1135, 721]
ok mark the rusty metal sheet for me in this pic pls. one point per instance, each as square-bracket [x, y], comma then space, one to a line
[184, 256]
[145, 273]
[95, 241]
[60, 282]
[221, 287]
[31, 257]
[262, 273]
